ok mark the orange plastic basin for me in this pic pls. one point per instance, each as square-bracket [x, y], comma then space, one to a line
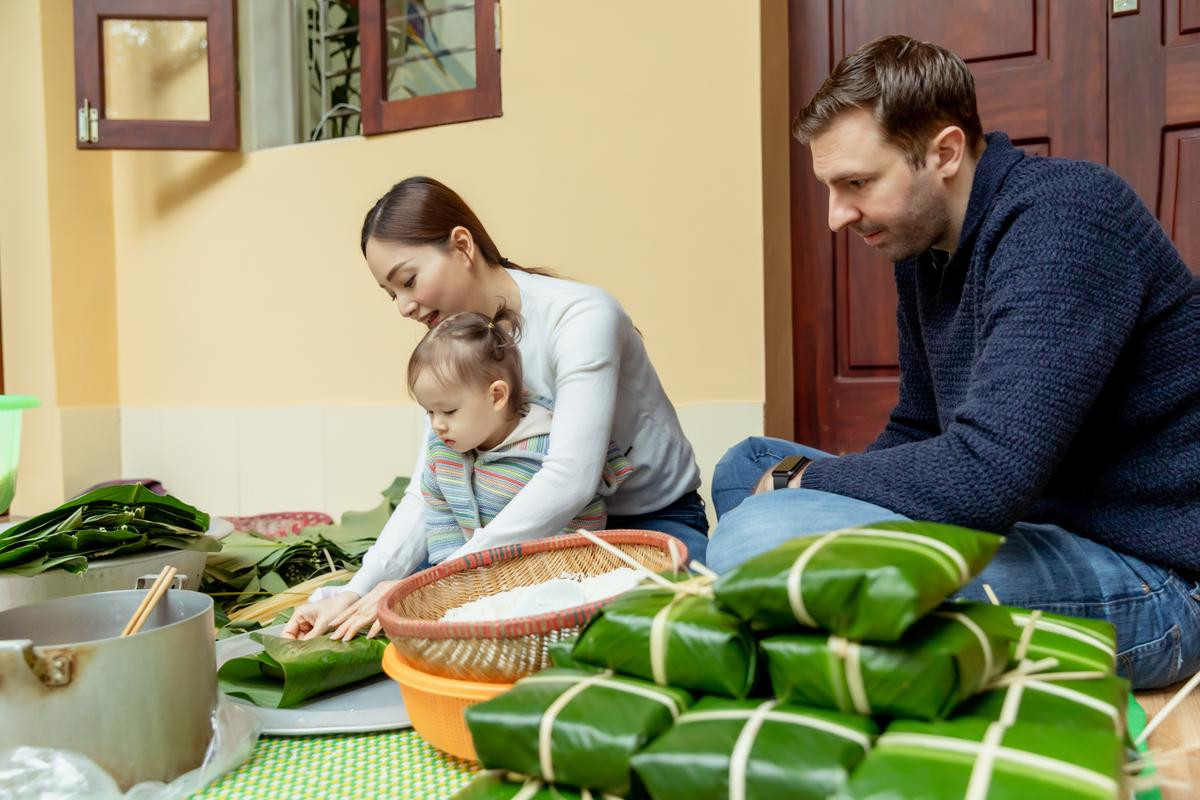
[436, 704]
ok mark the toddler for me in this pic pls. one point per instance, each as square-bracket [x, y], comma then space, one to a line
[487, 438]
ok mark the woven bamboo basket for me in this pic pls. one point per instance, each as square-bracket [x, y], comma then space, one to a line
[506, 651]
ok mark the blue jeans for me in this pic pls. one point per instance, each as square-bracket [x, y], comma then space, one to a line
[1155, 610]
[684, 519]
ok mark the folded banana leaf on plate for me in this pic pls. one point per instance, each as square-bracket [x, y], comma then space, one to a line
[945, 658]
[499, 785]
[288, 672]
[1074, 642]
[673, 639]
[869, 582]
[1070, 699]
[103, 523]
[976, 758]
[573, 727]
[753, 749]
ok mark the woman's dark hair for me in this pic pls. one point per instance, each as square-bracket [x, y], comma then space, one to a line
[470, 347]
[420, 210]
[913, 89]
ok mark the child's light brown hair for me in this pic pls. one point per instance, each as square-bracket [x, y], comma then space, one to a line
[474, 349]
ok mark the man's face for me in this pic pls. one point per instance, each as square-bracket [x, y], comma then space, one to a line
[875, 192]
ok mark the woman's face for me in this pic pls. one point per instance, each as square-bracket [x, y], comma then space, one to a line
[427, 282]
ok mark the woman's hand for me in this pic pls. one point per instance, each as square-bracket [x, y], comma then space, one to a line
[364, 612]
[313, 619]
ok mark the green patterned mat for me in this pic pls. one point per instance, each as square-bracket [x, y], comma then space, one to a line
[395, 764]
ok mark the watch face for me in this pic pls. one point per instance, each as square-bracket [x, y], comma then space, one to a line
[788, 465]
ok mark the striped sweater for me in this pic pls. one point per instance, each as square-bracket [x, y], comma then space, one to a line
[465, 491]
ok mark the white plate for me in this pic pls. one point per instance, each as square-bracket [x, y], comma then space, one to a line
[373, 705]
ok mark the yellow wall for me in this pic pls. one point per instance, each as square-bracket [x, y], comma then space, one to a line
[57, 277]
[628, 156]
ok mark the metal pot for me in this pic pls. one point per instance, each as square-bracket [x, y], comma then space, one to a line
[138, 706]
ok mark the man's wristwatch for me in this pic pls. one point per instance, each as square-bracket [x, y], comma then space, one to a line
[783, 472]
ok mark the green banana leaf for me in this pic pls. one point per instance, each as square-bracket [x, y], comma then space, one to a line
[935, 666]
[560, 655]
[702, 648]
[1054, 698]
[1076, 643]
[105, 523]
[251, 566]
[498, 785]
[935, 761]
[796, 753]
[288, 672]
[599, 723]
[865, 583]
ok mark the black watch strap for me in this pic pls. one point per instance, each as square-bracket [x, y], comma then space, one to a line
[783, 472]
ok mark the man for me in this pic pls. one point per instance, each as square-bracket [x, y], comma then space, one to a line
[1049, 364]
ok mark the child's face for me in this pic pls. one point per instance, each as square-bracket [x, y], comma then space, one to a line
[466, 417]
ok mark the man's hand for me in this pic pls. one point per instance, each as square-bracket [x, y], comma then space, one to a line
[766, 483]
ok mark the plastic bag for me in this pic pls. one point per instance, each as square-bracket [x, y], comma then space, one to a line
[50, 774]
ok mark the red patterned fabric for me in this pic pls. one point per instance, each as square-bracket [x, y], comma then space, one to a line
[278, 525]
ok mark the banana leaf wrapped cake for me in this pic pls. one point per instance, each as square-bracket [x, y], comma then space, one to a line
[1075, 643]
[948, 656]
[499, 785]
[976, 759]
[753, 749]
[1071, 699]
[573, 727]
[865, 583]
[672, 638]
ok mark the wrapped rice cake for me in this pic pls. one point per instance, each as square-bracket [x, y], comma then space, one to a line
[573, 727]
[499, 785]
[673, 639]
[1074, 642]
[751, 749]
[1070, 699]
[945, 658]
[973, 759]
[865, 583]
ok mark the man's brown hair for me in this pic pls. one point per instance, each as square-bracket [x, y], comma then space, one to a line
[913, 89]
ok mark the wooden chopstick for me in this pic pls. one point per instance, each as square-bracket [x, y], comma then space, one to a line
[153, 595]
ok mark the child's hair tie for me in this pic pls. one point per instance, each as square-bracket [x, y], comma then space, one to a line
[503, 261]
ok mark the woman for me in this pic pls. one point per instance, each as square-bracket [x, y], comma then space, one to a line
[432, 256]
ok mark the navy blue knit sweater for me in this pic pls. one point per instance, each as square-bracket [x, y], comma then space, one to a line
[1050, 372]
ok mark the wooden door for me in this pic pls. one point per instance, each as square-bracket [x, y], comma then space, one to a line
[1154, 113]
[1039, 68]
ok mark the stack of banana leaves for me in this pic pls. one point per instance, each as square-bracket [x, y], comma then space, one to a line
[252, 567]
[104, 523]
[835, 665]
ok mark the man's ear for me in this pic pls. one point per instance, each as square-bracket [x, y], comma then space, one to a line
[498, 394]
[461, 241]
[947, 150]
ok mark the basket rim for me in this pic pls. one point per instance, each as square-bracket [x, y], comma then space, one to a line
[395, 625]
